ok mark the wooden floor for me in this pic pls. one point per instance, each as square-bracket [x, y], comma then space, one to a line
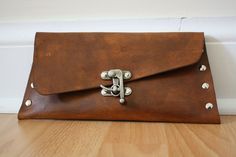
[107, 139]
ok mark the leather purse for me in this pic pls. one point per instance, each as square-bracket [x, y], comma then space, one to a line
[161, 77]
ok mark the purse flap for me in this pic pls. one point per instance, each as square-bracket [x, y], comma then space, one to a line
[65, 62]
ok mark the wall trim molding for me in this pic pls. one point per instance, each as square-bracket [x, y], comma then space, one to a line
[12, 105]
[227, 106]
[17, 39]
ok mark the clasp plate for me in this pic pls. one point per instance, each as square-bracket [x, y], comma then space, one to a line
[117, 89]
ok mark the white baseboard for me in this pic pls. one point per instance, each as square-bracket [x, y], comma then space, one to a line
[227, 106]
[16, 51]
[12, 105]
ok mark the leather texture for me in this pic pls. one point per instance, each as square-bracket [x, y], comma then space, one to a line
[166, 80]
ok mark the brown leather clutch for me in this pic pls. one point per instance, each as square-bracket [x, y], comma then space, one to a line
[120, 76]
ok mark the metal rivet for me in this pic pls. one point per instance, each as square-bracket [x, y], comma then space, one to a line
[111, 73]
[103, 92]
[122, 101]
[202, 68]
[104, 75]
[28, 102]
[32, 85]
[128, 91]
[209, 106]
[205, 85]
[127, 75]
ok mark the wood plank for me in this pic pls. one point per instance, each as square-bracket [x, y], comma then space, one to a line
[100, 138]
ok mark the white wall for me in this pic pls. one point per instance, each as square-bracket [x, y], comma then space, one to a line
[35, 10]
[16, 51]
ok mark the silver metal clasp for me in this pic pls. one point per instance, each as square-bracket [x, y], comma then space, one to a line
[117, 89]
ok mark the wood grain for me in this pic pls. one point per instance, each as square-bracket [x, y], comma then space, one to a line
[119, 139]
